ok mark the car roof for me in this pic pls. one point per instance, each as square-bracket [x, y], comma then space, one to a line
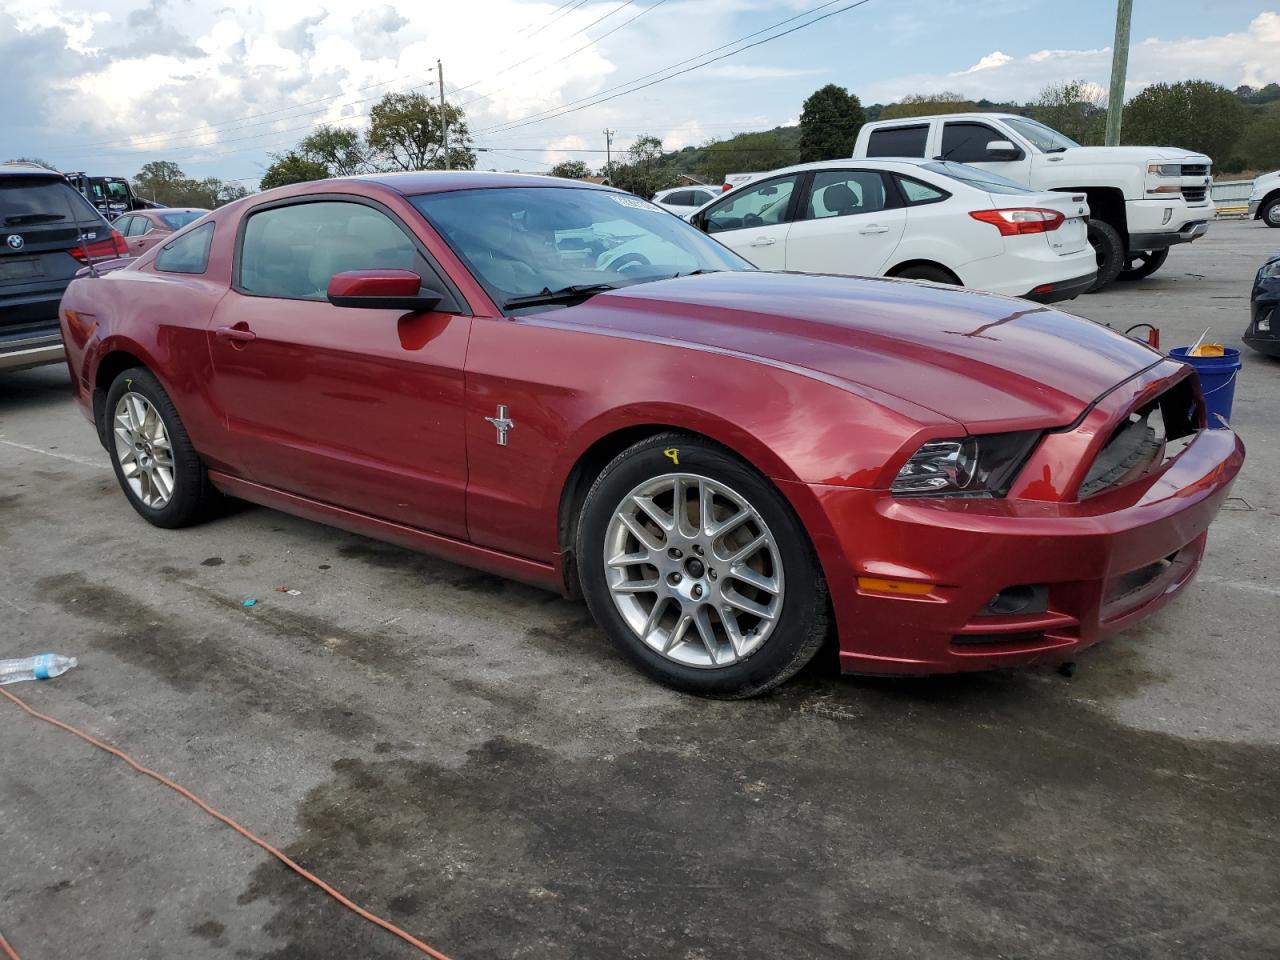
[23, 169]
[160, 211]
[439, 181]
[845, 163]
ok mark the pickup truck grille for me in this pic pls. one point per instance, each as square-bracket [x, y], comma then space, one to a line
[1148, 438]
[1195, 169]
[1193, 194]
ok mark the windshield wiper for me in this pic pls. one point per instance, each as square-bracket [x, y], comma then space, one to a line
[694, 273]
[33, 218]
[570, 294]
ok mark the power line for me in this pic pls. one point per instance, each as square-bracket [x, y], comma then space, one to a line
[599, 98]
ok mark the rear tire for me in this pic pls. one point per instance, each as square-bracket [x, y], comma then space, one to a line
[678, 603]
[1143, 263]
[922, 271]
[1109, 248]
[158, 469]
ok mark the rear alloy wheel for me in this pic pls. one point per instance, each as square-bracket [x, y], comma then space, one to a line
[1271, 213]
[157, 467]
[925, 272]
[698, 570]
[1108, 247]
[1143, 263]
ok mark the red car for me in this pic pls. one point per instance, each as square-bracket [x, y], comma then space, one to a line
[146, 228]
[564, 384]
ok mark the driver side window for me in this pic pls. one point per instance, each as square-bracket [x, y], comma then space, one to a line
[759, 205]
[292, 252]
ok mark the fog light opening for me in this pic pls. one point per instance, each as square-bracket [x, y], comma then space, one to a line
[1021, 598]
[1168, 215]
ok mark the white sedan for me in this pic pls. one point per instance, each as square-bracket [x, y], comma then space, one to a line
[916, 219]
[683, 201]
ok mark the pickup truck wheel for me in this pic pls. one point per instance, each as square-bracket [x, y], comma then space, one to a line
[1108, 245]
[698, 569]
[1271, 213]
[1143, 263]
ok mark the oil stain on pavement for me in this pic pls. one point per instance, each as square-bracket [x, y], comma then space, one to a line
[958, 817]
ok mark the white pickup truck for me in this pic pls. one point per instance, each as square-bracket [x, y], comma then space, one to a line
[1142, 200]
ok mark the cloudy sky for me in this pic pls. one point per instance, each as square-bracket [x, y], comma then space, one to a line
[106, 85]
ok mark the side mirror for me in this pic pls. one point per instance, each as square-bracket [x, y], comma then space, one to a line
[1003, 150]
[381, 290]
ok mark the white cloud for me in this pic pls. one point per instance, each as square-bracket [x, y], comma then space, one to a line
[1250, 56]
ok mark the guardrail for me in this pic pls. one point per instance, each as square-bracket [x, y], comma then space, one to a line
[1231, 197]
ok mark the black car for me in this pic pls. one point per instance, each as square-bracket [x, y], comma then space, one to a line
[1264, 320]
[48, 231]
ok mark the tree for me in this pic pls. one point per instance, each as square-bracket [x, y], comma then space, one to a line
[926, 104]
[164, 182]
[1073, 107]
[829, 124]
[405, 134]
[570, 170]
[1259, 145]
[341, 150]
[746, 153]
[645, 170]
[1194, 115]
[292, 167]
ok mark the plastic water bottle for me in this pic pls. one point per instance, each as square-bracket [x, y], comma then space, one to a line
[46, 666]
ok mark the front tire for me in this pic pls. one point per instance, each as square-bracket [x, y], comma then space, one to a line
[1109, 249]
[157, 467]
[697, 568]
[1143, 263]
[1270, 214]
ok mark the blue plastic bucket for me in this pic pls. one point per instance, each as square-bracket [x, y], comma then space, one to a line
[1217, 382]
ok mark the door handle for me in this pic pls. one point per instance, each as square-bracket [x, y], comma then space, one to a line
[874, 228]
[237, 333]
[763, 242]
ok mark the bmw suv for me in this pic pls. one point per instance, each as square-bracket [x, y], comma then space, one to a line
[48, 231]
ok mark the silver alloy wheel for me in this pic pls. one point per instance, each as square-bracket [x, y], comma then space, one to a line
[694, 570]
[1272, 214]
[142, 447]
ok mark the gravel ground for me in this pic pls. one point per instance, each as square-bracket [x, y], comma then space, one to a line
[469, 758]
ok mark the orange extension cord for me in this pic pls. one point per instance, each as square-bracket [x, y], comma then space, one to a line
[218, 815]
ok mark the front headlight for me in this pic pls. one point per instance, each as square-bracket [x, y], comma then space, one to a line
[1269, 270]
[976, 466]
[1164, 169]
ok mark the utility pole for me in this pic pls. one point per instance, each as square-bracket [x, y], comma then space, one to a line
[444, 116]
[608, 154]
[1119, 68]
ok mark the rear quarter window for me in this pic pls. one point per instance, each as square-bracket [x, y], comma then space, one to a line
[898, 141]
[188, 253]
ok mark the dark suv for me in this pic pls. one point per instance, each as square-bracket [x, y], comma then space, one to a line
[48, 231]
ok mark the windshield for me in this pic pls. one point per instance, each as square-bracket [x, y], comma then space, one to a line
[116, 188]
[976, 177]
[176, 221]
[1044, 138]
[522, 241]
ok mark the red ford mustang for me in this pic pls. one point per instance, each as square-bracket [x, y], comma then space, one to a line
[566, 385]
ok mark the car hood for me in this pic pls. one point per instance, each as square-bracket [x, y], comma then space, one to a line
[986, 361]
[1128, 155]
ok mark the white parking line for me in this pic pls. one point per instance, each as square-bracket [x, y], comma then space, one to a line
[69, 457]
